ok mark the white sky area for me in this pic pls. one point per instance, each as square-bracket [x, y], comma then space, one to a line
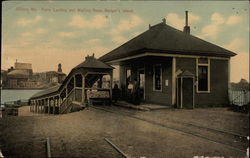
[65, 32]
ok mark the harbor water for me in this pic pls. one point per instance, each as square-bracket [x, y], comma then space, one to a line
[8, 95]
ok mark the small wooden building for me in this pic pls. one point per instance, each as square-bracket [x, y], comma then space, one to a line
[83, 84]
[174, 67]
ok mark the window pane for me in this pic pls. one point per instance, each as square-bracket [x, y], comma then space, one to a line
[157, 77]
[203, 78]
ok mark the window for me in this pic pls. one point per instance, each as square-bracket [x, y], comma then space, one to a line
[203, 75]
[157, 78]
[128, 76]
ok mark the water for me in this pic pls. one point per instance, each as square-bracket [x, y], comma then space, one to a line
[13, 95]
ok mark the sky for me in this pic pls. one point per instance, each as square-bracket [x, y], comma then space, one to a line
[46, 33]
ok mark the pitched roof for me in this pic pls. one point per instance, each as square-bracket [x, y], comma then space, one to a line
[92, 62]
[46, 91]
[19, 73]
[186, 73]
[162, 38]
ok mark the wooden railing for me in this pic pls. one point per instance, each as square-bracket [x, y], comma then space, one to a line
[239, 97]
[67, 102]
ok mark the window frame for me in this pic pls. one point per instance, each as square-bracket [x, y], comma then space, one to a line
[208, 75]
[126, 75]
[156, 90]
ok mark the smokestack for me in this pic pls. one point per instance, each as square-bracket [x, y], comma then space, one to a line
[186, 27]
[186, 18]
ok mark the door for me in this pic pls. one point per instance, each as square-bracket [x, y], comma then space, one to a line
[188, 93]
[141, 80]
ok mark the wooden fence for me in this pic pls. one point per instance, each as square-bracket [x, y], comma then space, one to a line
[239, 97]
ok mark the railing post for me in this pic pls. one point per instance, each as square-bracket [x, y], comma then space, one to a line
[48, 105]
[54, 105]
[111, 84]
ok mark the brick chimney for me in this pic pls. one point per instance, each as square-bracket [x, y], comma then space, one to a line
[186, 27]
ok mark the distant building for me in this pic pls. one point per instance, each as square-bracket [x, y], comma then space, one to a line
[50, 76]
[18, 77]
[22, 76]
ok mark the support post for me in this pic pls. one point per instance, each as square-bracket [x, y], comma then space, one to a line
[54, 104]
[59, 105]
[38, 107]
[111, 84]
[35, 105]
[83, 89]
[49, 105]
[173, 81]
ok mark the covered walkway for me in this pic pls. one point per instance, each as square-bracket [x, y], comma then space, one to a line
[92, 79]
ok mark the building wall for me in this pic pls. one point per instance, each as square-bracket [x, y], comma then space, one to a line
[218, 81]
[158, 97]
[20, 66]
[165, 95]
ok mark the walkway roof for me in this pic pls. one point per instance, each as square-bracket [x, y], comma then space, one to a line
[90, 62]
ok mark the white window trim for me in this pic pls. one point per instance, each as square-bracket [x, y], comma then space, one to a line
[154, 78]
[197, 73]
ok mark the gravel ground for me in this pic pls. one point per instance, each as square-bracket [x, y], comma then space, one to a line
[81, 134]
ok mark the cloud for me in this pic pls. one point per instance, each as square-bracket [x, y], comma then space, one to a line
[51, 20]
[193, 18]
[67, 34]
[25, 42]
[233, 20]
[240, 67]
[127, 24]
[211, 30]
[41, 31]
[96, 22]
[28, 22]
[92, 41]
[235, 44]
[176, 21]
[119, 39]
[217, 19]
[26, 34]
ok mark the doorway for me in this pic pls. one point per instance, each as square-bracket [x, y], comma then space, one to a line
[185, 90]
[141, 80]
